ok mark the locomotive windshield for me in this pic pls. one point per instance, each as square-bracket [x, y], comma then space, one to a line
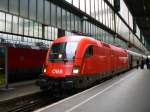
[63, 51]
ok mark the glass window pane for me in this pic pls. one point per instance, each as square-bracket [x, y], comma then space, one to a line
[8, 23]
[40, 10]
[47, 12]
[56, 33]
[50, 33]
[72, 21]
[100, 10]
[2, 21]
[9, 37]
[84, 26]
[14, 6]
[46, 32]
[97, 9]
[87, 28]
[15, 24]
[4, 5]
[88, 10]
[76, 23]
[123, 10]
[40, 30]
[31, 28]
[82, 5]
[68, 21]
[58, 17]
[32, 9]
[106, 14]
[93, 8]
[70, 1]
[36, 28]
[53, 14]
[64, 19]
[26, 27]
[24, 8]
[20, 26]
[76, 3]
[103, 11]
[79, 24]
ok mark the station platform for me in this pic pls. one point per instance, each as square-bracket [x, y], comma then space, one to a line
[18, 90]
[129, 92]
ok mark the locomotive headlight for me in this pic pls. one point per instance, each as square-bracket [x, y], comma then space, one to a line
[44, 70]
[76, 69]
[60, 56]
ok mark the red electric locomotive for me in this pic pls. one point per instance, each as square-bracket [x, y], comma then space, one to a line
[78, 61]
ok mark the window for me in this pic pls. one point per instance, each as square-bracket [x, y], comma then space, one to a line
[24, 8]
[68, 21]
[32, 9]
[2, 21]
[21, 25]
[100, 11]
[89, 51]
[93, 9]
[58, 17]
[88, 8]
[97, 9]
[70, 1]
[53, 14]
[76, 3]
[46, 32]
[31, 28]
[26, 27]
[72, 21]
[13, 6]
[47, 12]
[40, 31]
[15, 24]
[82, 5]
[64, 22]
[63, 51]
[39, 10]
[8, 23]
[36, 31]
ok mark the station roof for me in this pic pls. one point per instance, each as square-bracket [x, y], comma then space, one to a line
[140, 9]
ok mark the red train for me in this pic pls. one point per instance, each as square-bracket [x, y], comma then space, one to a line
[78, 61]
[24, 62]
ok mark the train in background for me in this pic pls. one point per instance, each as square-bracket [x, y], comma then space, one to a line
[79, 61]
[135, 59]
[24, 62]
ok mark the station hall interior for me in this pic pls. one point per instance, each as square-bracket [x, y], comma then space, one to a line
[100, 48]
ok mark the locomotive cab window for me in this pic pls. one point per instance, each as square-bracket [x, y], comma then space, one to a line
[64, 51]
[89, 51]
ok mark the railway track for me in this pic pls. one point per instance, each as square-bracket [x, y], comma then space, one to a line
[35, 101]
[32, 102]
[27, 103]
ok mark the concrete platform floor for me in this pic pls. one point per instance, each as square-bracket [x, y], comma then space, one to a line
[18, 90]
[129, 92]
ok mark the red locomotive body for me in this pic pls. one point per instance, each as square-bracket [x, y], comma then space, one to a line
[78, 61]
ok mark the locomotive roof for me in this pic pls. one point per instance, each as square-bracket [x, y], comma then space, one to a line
[68, 38]
[79, 38]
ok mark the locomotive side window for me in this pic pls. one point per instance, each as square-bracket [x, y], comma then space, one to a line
[89, 51]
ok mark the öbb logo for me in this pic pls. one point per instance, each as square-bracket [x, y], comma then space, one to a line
[57, 71]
